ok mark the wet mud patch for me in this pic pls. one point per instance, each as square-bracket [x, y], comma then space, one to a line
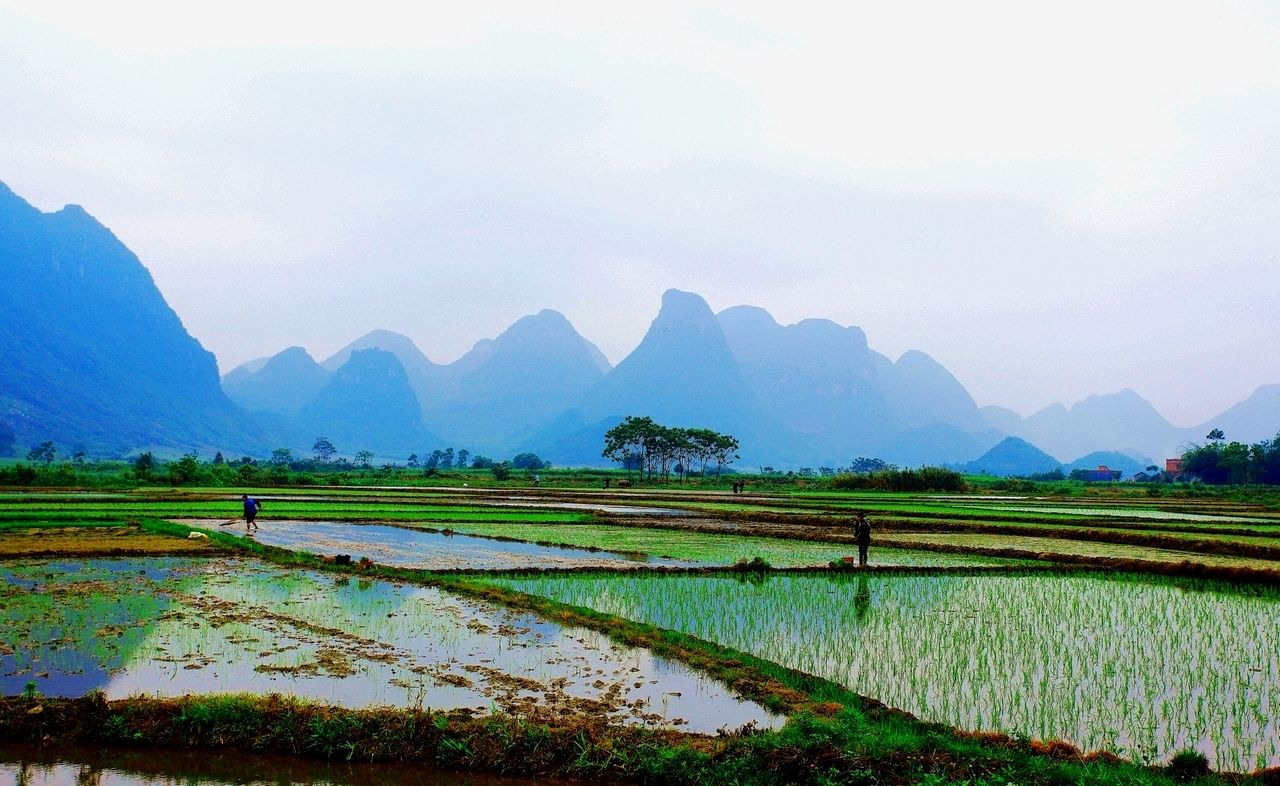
[174, 627]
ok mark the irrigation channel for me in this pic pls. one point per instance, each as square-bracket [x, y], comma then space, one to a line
[1137, 665]
[170, 627]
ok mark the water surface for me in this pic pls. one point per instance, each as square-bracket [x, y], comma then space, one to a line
[169, 627]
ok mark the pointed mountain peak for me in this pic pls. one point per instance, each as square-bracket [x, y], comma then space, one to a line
[396, 343]
[291, 356]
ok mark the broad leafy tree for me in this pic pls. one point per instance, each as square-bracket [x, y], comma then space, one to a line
[324, 450]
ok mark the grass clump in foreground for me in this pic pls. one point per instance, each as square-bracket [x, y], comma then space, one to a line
[847, 746]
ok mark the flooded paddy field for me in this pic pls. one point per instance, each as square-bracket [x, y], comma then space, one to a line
[694, 548]
[1141, 667]
[173, 627]
[63, 765]
[1080, 548]
[513, 546]
[425, 549]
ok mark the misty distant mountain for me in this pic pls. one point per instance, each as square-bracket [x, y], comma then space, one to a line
[1123, 420]
[1112, 459]
[91, 355]
[817, 378]
[1001, 419]
[282, 385]
[1252, 420]
[367, 404]
[922, 392]
[430, 381]
[1012, 456]
[531, 372]
[683, 373]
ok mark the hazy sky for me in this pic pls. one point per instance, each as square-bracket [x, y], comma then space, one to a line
[1053, 200]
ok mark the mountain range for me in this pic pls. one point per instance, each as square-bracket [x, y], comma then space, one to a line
[94, 357]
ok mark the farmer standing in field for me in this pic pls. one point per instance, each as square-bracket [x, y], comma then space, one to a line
[862, 534]
[251, 508]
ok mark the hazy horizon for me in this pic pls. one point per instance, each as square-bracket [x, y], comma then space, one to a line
[1053, 203]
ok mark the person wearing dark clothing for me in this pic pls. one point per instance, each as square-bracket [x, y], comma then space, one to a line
[251, 508]
[862, 534]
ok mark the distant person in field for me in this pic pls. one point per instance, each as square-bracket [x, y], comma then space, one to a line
[862, 534]
[251, 508]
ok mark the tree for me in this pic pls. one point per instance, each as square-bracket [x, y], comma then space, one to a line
[1215, 436]
[364, 459]
[481, 462]
[725, 451]
[433, 461]
[626, 442]
[45, 454]
[218, 459]
[144, 464]
[323, 450]
[527, 461]
[501, 470]
[463, 455]
[865, 466]
[446, 459]
[412, 461]
[280, 457]
[184, 470]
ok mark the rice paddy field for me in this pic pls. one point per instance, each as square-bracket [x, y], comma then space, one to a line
[1087, 620]
[1142, 667]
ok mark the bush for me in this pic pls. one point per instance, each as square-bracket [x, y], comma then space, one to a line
[923, 479]
[1188, 765]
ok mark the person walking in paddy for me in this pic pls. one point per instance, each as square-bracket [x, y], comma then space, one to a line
[251, 508]
[862, 534]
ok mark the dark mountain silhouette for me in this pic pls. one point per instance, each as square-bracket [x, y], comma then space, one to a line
[526, 375]
[1012, 456]
[367, 405]
[93, 357]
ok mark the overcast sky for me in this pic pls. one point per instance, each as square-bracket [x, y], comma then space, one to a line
[1052, 200]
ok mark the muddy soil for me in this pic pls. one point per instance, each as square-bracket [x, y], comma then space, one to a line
[94, 542]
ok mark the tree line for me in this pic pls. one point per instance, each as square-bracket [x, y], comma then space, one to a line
[656, 450]
[1220, 462]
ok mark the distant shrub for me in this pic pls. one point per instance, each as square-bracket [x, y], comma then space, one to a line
[754, 564]
[501, 470]
[1188, 765]
[923, 479]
